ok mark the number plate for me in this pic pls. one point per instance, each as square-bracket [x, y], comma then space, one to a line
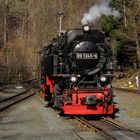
[86, 56]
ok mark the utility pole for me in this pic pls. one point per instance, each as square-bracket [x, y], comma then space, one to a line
[60, 15]
[124, 10]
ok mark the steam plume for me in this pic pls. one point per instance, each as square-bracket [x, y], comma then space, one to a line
[95, 12]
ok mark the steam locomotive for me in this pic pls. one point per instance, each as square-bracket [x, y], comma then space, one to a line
[77, 71]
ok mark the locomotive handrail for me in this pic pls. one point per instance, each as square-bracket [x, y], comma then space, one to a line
[87, 82]
[62, 75]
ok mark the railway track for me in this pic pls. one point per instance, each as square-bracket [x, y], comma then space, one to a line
[137, 91]
[31, 90]
[5, 103]
[109, 128]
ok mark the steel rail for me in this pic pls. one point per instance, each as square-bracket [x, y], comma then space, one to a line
[107, 127]
[95, 128]
[5, 103]
[5, 99]
[118, 125]
[136, 91]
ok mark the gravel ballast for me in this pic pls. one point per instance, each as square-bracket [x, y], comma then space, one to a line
[30, 120]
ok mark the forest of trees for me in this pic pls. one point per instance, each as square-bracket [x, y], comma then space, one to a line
[125, 33]
[26, 26]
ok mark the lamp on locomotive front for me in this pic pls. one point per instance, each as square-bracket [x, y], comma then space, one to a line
[86, 28]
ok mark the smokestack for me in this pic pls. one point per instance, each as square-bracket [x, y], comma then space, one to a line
[96, 11]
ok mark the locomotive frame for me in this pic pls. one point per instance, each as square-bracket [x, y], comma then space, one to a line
[76, 73]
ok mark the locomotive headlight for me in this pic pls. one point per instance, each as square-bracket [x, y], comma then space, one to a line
[86, 28]
[103, 78]
[73, 79]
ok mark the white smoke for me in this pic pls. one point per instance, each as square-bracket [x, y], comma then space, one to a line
[95, 12]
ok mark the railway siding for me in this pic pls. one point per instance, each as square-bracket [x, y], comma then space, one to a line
[130, 90]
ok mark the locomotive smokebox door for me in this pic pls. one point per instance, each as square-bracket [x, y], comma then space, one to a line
[90, 100]
[87, 56]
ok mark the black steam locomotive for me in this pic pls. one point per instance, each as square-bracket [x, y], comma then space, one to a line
[76, 73]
